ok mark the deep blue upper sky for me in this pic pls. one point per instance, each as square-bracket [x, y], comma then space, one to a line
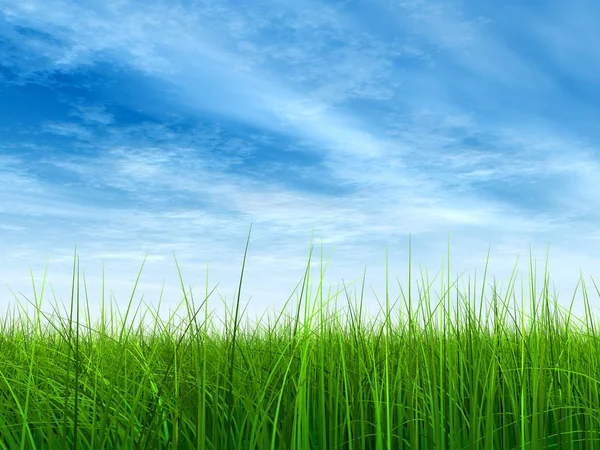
[133, 128]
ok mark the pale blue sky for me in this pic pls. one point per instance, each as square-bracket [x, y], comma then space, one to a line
[129, 128]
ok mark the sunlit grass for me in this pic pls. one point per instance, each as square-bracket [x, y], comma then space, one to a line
[428, 378]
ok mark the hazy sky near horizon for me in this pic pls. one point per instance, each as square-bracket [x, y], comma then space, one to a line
[133, 128]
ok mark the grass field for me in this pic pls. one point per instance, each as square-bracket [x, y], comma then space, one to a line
[424, 378]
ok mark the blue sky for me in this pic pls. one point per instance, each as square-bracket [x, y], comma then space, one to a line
[134, 128]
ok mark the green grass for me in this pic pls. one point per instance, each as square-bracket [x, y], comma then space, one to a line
[426, 378]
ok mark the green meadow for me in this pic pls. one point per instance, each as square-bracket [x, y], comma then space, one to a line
[441, 375]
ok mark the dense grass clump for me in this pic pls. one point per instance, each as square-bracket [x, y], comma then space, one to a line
[432, 378]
